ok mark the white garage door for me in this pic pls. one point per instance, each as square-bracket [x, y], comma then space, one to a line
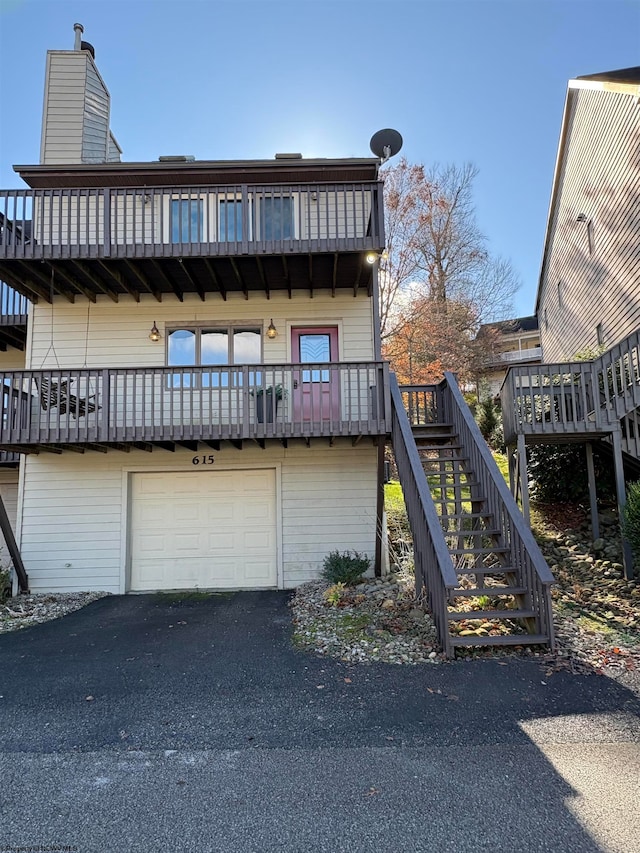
[206, 530]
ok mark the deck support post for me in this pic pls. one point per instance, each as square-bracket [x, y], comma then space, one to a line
[512, 471]
[12, 547]
[378, 560]
[621, 495]
[524, 478]
[593, 496]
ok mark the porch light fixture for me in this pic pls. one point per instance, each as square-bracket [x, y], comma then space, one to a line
[581, 217]
[154, 334]
[371, 257]
[272, 332]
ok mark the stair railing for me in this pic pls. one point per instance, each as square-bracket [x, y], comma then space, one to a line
[527, 561]
[433, 565]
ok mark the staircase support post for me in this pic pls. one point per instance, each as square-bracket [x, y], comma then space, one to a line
[593, 496]
[627, 555]
[524, 478]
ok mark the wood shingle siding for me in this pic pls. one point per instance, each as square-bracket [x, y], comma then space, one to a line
[597, 260]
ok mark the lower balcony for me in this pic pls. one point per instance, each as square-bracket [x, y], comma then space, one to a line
[121, 408]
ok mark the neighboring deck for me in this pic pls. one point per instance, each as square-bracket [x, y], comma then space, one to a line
[201, 239]
[121, 408]
[575, 401]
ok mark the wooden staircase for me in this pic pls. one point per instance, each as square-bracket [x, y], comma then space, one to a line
[489, 606]
[476, 560]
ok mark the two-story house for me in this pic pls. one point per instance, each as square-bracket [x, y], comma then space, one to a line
[201, 401]
[588, 303]
[510, 342]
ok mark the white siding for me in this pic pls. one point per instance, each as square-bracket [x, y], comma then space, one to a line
[75, 121]
[9, 494]
[95, 133]
[106, 334]
[62, 120]
[599, 273]
[12, 359]
[75, 509]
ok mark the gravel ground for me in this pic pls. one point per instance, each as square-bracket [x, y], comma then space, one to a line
[25, 610]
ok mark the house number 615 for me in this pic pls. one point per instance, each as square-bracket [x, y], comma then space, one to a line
[203, 460]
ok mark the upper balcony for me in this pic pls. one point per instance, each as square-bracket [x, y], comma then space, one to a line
[173, 240]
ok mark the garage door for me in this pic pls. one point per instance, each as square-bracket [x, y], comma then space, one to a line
[206, 530]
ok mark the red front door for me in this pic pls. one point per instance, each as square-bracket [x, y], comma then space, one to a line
[316, 389]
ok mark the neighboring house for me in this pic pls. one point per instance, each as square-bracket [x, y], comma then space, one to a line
[510, 342]
[589, 288]
[588, 302]
[202, 400]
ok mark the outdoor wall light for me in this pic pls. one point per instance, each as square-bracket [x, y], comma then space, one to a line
[272, 332]
[581, 217]
[371, 257]
[154, 334]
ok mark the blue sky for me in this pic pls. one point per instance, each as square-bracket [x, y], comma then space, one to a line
[462, 80]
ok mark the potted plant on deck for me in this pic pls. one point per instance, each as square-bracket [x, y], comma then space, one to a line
[267, 400]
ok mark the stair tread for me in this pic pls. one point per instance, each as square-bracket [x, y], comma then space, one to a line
[474, 615]
[484, 531]
[499, 549]
[501, 640]
[468, 514]
[484, 570]
[487, 590]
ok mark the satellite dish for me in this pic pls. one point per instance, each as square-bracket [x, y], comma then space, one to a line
[385, 143]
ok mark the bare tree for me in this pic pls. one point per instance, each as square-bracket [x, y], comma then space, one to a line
[436, 252]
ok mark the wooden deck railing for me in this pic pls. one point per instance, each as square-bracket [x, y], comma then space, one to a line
[123, 405]
[434, 569]
[525, 557]
[13, 306]
[580, 397]
[131, 222]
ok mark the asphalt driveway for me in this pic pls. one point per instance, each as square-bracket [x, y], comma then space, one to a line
[152, 723]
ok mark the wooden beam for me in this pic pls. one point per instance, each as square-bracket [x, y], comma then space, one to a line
[524, 478]
[170, 284]
[190, 445]
[239, 278]
[356, 286]
[593, 495]
[44, 280]
[236, 442]
[139, 445]
[33, 289]
[214, 445]
[310, 276]
[85, 270]
[12, 547]
[215, 279]
[285, 269]
[115, 276]
[166, 445]
[263, 278]
[335, 274]
[73, 282]
[144, 280]
[621, 496]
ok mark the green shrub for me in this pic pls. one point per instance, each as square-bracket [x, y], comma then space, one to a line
[5, 585]
[631, 519]
[344, 568]
[558, 474]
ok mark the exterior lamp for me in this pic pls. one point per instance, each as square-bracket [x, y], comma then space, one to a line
[272, 332]
[371, 257]
[154, 334]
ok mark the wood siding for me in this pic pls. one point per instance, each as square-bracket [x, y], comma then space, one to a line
[75, 510]
[106, 334]
[95, 131]
[75, 122]
[596, 261]
[63, 116]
